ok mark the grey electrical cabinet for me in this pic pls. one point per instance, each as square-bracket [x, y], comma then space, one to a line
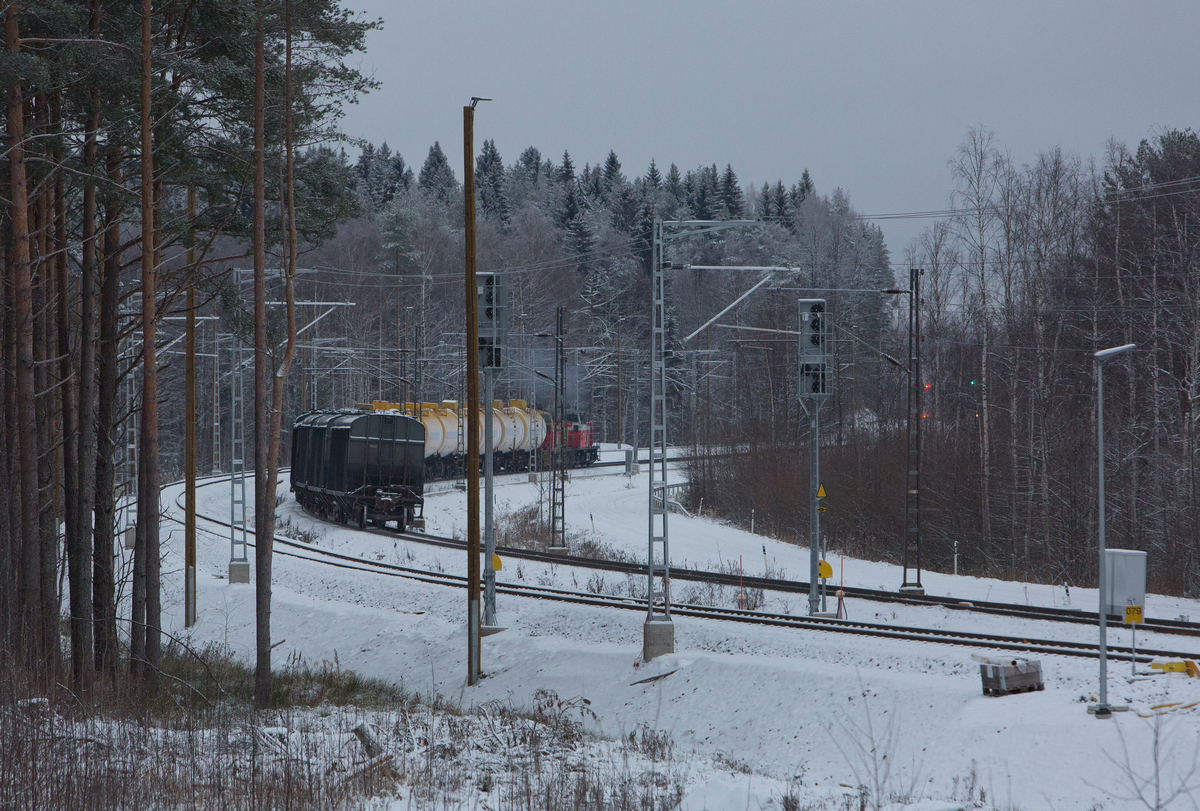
[1124, 580]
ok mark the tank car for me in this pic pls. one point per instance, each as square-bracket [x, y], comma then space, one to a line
[518, 433]
[360, 466]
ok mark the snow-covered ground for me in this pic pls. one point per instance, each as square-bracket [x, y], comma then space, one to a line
[801, 711]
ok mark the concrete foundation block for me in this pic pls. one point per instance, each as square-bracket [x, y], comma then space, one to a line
[239, 571]
[658, 638]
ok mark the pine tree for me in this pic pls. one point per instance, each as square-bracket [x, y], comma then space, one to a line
[566, 172]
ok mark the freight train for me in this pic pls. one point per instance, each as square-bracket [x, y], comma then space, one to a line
[370, 464]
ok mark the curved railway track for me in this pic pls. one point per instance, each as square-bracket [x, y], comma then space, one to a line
[1015, 610]
[1024, 645]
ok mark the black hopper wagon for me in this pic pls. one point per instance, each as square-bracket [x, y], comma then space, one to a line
[365, 467]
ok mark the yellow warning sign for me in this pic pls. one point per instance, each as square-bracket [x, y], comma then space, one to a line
[820, 491]
[824, 569]
[495, 562]
[1133, 615]
[820, 509]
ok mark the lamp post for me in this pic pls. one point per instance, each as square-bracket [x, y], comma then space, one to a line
[1102, 708]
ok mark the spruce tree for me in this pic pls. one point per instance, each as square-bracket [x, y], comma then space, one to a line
[653, 176]
[623, 208]
[592, 183]
[674, 186]
[733, 203]
[806, 183]
[400, 175]
[781, 204]
[530, 164]
[613, 179]
[566, 172]
[437, 178]
[766, 207]
[489, 183]
[703, 193]
[570, 207]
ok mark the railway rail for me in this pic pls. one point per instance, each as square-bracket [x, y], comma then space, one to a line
[1015, 610]
[1025, 645]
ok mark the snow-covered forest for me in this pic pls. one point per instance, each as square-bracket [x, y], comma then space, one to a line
[174, 177]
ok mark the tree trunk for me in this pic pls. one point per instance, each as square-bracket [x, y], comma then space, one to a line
[8, 526]
[263, 500]
[103, 584]
[79, 566]
[44, 498]
[148, 520]
[85, 497]
[277, 392]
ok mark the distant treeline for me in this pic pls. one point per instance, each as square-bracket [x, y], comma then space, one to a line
[1040, 266]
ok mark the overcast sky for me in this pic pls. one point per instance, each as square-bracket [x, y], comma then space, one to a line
[871, 97]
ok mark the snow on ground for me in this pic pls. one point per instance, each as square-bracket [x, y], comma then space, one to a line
[791, 707]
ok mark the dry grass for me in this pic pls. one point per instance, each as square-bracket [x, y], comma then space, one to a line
[521, 529]
[196, 743]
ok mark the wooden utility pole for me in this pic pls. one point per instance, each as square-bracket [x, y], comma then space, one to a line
[471, 407]
[189, 430]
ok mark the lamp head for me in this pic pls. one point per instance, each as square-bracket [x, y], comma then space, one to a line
[1105, 354]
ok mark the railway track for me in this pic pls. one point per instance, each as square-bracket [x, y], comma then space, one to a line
[1024, 645]
[1014, 610]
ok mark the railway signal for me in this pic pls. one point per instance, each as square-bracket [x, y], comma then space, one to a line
[492, 306]
[813, 340]
[492, 309]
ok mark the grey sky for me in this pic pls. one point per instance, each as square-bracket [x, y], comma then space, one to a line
[872, 97]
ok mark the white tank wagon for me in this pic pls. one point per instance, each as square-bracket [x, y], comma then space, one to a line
[518, 432]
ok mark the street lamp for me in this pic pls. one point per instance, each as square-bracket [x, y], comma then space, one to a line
[1102, 708]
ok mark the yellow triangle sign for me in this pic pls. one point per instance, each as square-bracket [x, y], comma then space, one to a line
[820, 491]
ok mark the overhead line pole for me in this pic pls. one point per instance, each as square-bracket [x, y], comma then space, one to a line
[911, 583]
[472, 403]
[658, 631]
